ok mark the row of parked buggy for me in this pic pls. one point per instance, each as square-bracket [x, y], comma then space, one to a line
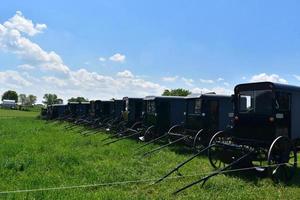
[258, 127]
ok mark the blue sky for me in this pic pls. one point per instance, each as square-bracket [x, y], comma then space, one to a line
[118, 48]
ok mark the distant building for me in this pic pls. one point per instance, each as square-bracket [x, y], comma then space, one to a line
[8, 103]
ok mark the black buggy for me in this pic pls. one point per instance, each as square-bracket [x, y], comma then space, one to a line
[159, 114]
[104, 115]
[205, 114]
[115, 118]
[55, 111]
[131, 118]
[265, 134]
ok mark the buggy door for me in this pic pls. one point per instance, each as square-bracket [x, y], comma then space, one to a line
[138, 110]
[211, 115]
[283, 114]
[164, 116]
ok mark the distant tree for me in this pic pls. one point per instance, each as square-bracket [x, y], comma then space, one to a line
[176, 92]
[22, 99]
[50, 99]
[60, 101]
[78, 99]
[10, 95]
[30, 100]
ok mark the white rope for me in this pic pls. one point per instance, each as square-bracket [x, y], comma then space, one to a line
[128, 182]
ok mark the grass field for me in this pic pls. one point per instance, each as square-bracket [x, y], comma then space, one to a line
[34, 154]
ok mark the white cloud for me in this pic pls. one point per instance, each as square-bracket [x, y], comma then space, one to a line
[26, 67]
[217, 90]
[102, 59]
[55, 81]
[21, 24]
[117, 57]
[220, 79]
[226, 84]
[125, 74]
[13, 40]
[206, 81]
[92, 85]
[188, 81]
[170, 78]
[244, 78]
[13, 79]
[297, 77]
[265, 77]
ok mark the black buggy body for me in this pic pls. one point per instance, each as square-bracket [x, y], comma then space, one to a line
[265, 133]
[161, 113]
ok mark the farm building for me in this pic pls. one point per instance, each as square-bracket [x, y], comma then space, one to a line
[8, 104]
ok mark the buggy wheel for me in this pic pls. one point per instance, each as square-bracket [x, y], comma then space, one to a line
[215, 150]
[121, 127]
[198, 141]
[175, 132]
[149, 134]
[282, 159]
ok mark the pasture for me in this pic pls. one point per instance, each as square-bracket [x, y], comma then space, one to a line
[35, 154]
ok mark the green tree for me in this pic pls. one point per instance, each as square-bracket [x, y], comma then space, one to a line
[10, 95]
[30, 100]
[50, 99]
[78, 99]
[22, 99]
[176, 92]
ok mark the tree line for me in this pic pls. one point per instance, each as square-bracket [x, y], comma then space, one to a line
[49, 99]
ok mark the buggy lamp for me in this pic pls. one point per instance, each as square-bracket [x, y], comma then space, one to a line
[184, 113]
[236, 118]
[271, 119]
[203, 114]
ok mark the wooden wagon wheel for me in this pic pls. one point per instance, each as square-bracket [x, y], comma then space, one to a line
[282, 159]
[215, 150]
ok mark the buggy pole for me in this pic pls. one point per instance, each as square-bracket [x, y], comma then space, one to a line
[127, 136]
[114, 135]
[152, 141]
[181, 165]
[215, 173]
[163, 146]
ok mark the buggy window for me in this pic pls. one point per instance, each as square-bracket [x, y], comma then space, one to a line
[282, 101]
[255, 101]
[151, 107]
[198, 105]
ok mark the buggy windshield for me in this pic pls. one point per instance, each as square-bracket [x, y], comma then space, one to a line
[255, 101]
[151, 107]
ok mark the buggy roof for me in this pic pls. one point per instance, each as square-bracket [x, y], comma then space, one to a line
[98, 101]
[162, 97]
[58, 105]
[73, 103]
[209, 95]
[271, 85]
[85, 102]
[133, 98]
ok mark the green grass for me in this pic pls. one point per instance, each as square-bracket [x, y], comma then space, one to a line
[8, 113]
[36, 154]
